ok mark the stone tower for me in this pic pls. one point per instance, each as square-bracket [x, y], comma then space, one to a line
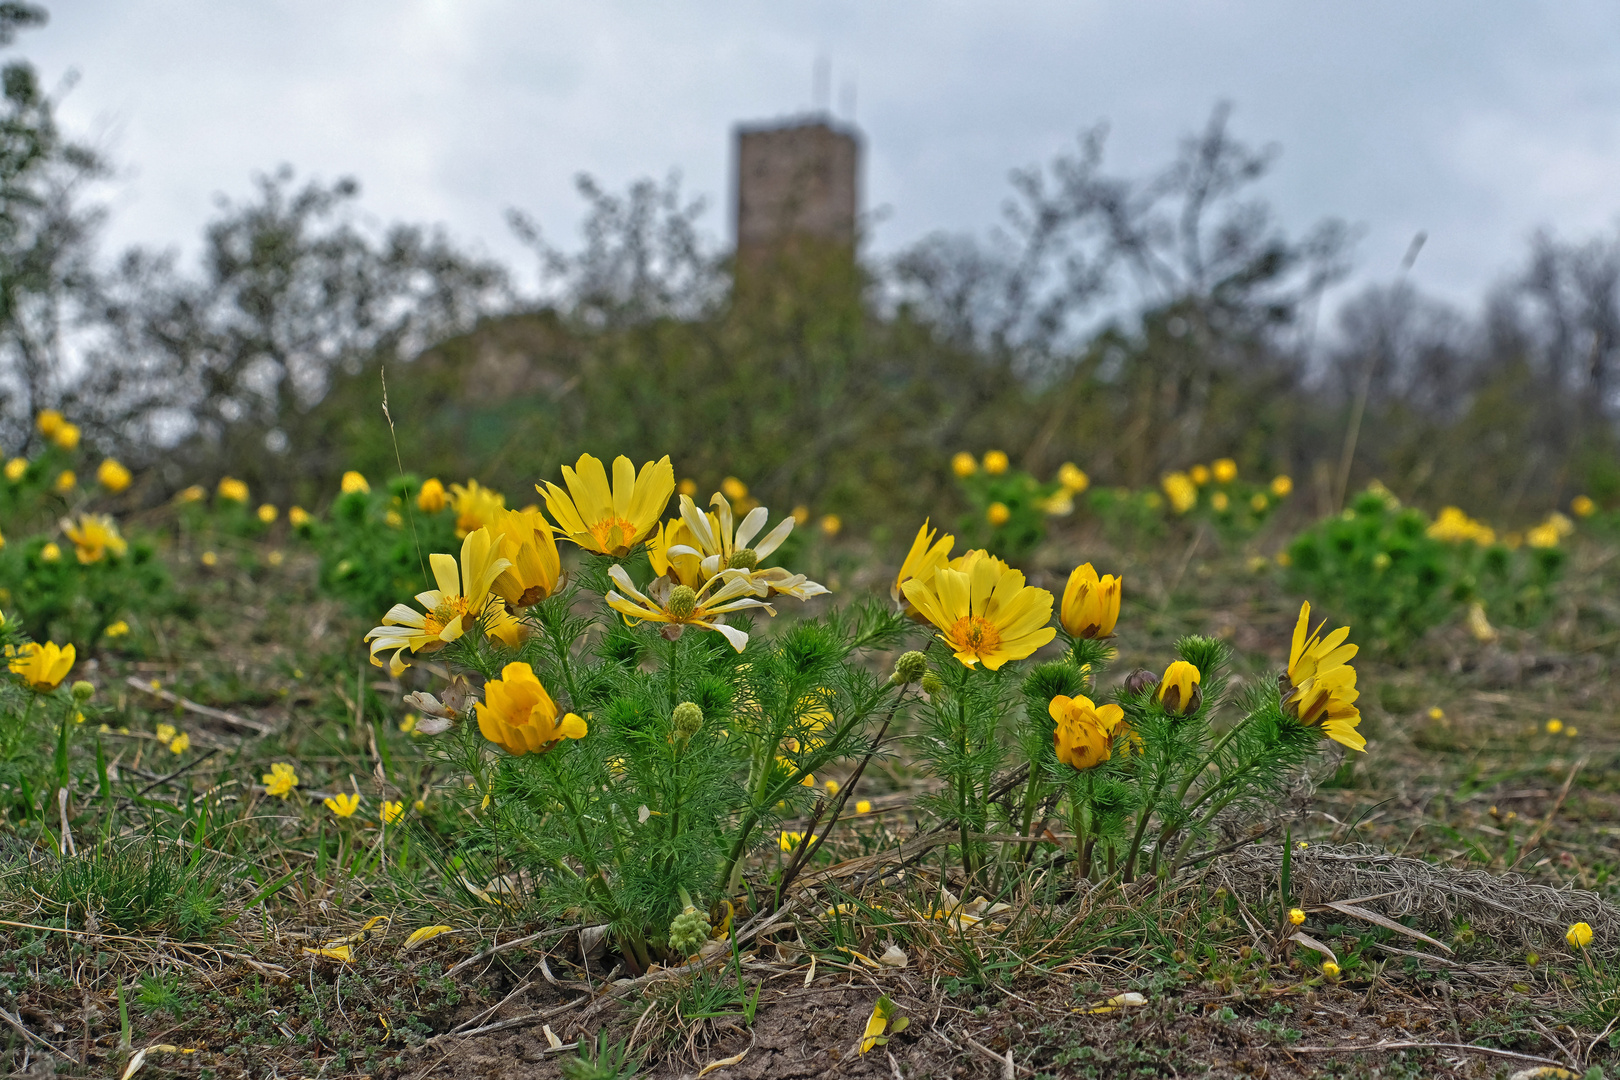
[798, 187]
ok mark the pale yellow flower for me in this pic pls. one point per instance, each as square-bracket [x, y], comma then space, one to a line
[463, 597]
[1181, 491]
[192, 494]
[352, 482]
[1073, 478]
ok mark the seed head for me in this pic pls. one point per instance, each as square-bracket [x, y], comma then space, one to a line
[932, 684]
[910, 668]
[742, 559]
[688, 931]
[83, 691]
[688, 719]
[682, 601]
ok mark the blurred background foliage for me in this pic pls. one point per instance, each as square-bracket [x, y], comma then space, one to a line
[1128, 324]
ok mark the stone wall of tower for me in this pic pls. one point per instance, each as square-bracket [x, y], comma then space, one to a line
[796, 182]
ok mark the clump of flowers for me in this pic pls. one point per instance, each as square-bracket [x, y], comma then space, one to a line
[1008, 506]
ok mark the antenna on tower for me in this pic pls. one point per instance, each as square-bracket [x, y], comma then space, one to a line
[821, 84]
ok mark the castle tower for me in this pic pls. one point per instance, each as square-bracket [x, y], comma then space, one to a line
[797, 187]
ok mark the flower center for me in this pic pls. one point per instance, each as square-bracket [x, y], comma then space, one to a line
[975, 634]
[742, 559]
[682, 601]
[448, 611]
[613, 533]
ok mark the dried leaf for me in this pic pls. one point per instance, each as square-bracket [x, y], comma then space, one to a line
[551, 1038]
[1311, 943]
[894, 956]
[135, 1064]
[811, 974]
[1128, 1000]
[722, 1063]
[1347, 908]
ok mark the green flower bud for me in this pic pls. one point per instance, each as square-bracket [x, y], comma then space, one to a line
[932, 684]
[688, 931]
[682, 601]
[83, 691]
[910, 668]
[688, 719]
[742, 559]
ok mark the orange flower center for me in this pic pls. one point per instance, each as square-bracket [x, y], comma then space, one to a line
[613, 533]
[448, 611]
[974, 634]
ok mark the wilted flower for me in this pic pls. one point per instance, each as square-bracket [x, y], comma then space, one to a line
[1090, 604]
[1319, 687]
[280, 780]
[519, 716]
[232, 490]
[112, 476]
[1181, 491]
[995, 462]
[454, 608]
[681, 605]
[1225, 470]
[431, 499]
[1179, 690]
[964, 464]
[926, 556]
[997, 514]
[1085, 733]
[984, 611]
[42, 667]
[93, 535]
[352, 482]
[610, 520]
[343, 805]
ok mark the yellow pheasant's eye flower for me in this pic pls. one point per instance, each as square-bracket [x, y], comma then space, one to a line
[998, 514]
[1199, 474]
[964, 464]
[343, 805]
[66, 437]
[298, 517]
[1219, 502]
[180, 743]
[1319, 687]
[687, 486]
[113, 476]
[165, 732]
[718, 542]
[65, 482]
[519, 716]
[431, 499]
[50, 553]
[527, 542]
[280, 780]
[681, 605]
[983, 610]
[1579, 936]
[1282, 486]
[610, 520]
[42, 667]
[232, 490]
[1090, 604]
[995, 462]
[734, 489]
[192, 494]
[1453, 526]
[1084, 735]
[1182, 492]
[1258, 501]
[1225, 470]
[1554, 726]
[117, 629]
[831, 524]
[268, 514]
[210, 558]
[392, 811]
[1296, 916]
[93, 536]
[1073, 478]
[1330, 969]
[463, 597]
[352, 482]
[1179, 690]
[474, 506]
[49, 422]
[789, 840]
[15, 468]
[925, 557]
[1582, 506]
[863, 806]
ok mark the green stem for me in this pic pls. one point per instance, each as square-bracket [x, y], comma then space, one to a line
[1142, 822]
[964, 780]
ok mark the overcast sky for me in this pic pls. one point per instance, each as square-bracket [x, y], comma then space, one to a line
[1475, 122]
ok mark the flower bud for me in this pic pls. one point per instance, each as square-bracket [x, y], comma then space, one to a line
[910, 668]
[688, 720]
[682, 601]
[932, 684]
[83, 691]
[1140, 681]
[1179, 691]
[688, 931]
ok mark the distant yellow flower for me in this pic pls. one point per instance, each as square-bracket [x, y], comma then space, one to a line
[15, 469]
[180, 743]
[1579, 936]
[419, 805]
[1554, 726]
[998, 514]
[1090, 604]
[1219, 502]
[117, 629]
[1258, 501]
[275, 558]
[519, 716]
[49, 421]
[1199, 474]
[687, 486]
[408, 724]
[831, 524]
[393, 519]
[298, 517]
[1181, 491]
[352, 482]
[1296, 916]
[801, 513]
[1436, 713]
[1282, 486]
[454, 608]
[1225, 470]
[527, 543]
[984, 611]
[392, 811]
[232, 490]
[995, 462]
[964, 464]
[268, 513]
[42, 667]
[926, 556]
[431, 499]
[1073, 479]
[734, 489]
[1542, 536]
[112, 476]
[1452, 526]
[1582, 506]
[863, 806]
[475, 506]
[612, 519]
[1179, 690]
[93, 536]
[65, 481]
[343, 805]
[681, 605]
[210, 558]
[192, 494]
[66, 437]
[1330, 969]
[1571, 731]
[165, 732]
[50, 553]
[831, 786]
[1319, 687]
[280, 780]
[1084, 734]
[789, 840]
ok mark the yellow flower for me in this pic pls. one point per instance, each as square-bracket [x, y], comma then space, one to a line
[1058, 504]
[454, 608]
[995, 462]
[1199, 474]
[192, 494]
[997, 514]
[863, 806]
[1453, 526]
[352, 482]
[1436, 713]
[15, 469]
[884, 1013]
[65, 481]
[1090, 604]
[673, 553]
[1330, 969]
[721, 544]
[610, 520]
[42, 667]
[1073, 479]
[1320, 685]
[431, 499]
[280, 780]
[1219, 502]
[93, 535]
[682, 605]
[1282, 486]
[831, 524]
[1258, 501]
[520, 716]
[734, 489]
[1179, 691]
[474, 506]
[801, 513]
[275, 558]
[49, 421]
[964, 464]
[419, 805]
[392, 811]
[232, 490]
[50, 553]
[112, 476]
[165, 732]
[984, 611]
[1580, 506]
[1579, 936]
[1296, 916]
[1225, 470]
[268, 513]
[526, 541]
[117, 629]
[687, 486]
[1181, 491]
[1554, 726]
[343, 805]
[789, 840]
[1084, 735]
[66, 437]
[831, 786]
[180, 743]
[298, 517]
[210, 558]
[1542, 536]
[926, 556]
